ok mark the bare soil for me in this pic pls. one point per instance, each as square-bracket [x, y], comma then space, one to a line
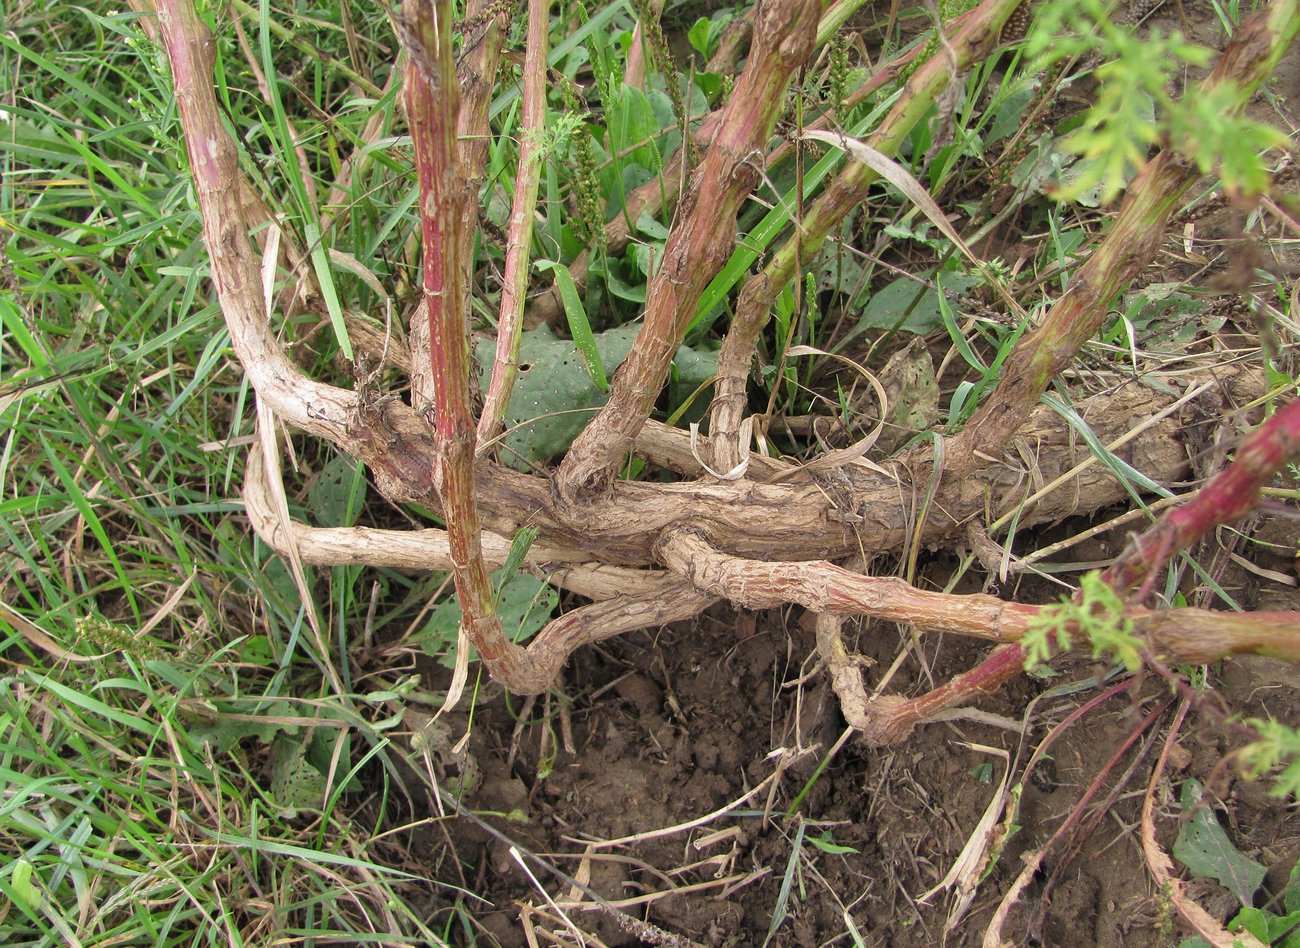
[668, 728]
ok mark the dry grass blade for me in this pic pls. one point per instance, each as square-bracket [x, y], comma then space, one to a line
[34, 634]
[901, 178]
[982, 846]
[1162, 866]
[853, 454]
[270, 455]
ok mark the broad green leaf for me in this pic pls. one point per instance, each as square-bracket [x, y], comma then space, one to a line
[525, 604]
[632, 125]
[337, 495]
[645, 224]
[910, 305]
[1282, 931]
[295, 784]
[692, 368]
[698, 36]
[1205, 849]
[554, 397]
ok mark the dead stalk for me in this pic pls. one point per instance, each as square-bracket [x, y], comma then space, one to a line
[394, 443]
[528, 176]
[429, 549]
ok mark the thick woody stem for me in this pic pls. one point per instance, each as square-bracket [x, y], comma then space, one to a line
[675, 601]
[213, 158]
[891, 718]
[476, 73]
[429, 549]
[395, 443]
[1190, 635]
[824, 588]
[447, 214]
[528, 176]
[862, 510]
[652, 197]
[1129, 246]
[699, 245]
[973, 38]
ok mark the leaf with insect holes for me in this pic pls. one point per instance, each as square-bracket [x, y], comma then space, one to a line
[1204, 848]
[337, 495]
[296, 785]
[554, 397]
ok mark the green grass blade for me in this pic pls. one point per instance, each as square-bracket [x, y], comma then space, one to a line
[579, 325]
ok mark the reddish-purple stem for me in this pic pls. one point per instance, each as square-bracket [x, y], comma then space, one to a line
[1230, 495]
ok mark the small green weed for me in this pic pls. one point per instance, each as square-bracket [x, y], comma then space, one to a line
[1097, 618]
[1135, 109]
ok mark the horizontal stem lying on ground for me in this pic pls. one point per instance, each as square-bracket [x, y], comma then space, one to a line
[1188, 634]
[1191, 635]
[430, 549]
